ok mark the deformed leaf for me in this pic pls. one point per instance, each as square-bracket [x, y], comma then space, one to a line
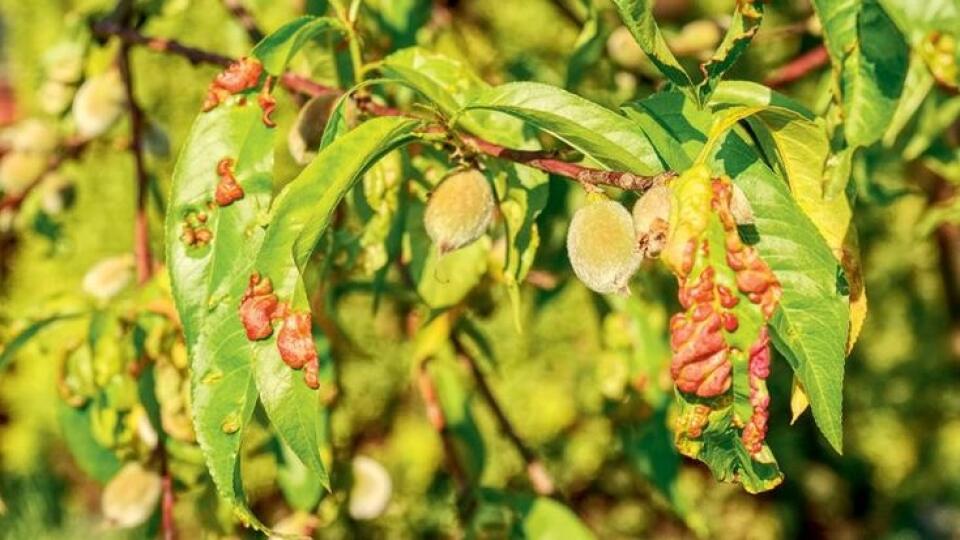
[299, 216]
[209, 250]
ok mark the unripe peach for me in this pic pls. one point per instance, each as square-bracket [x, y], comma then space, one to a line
[98, 104]
[651, 220]
[459, 210]
[602, 246]
[307, 132]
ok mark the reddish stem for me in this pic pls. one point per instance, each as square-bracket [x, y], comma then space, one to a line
[141, 232]
[799, 67]
[302, 85]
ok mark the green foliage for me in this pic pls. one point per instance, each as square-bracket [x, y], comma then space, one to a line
[312, 354]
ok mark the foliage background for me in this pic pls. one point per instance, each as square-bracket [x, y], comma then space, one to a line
[898, 478]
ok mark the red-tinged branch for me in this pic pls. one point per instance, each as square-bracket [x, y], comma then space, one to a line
[431, 402]
[141, 233]
[799, 67]
[246, 20]
[537, 473]
[105, 29]
[70, 150]
[302, 85]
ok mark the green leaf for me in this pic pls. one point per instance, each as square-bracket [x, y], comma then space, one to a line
[810, 326]
[299, 216]
[744, 25]
[276, 50]
[20, 340]
[208, 280]
[97, 461]
[540, 518]
[452, 383]
[444, 81]
[588, 48]
[751, 94]
[603, 135]
[869, 57]
[637, 15]
[448, 85]
[917, 19]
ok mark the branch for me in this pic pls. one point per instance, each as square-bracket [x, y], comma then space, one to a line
[246, 20]
[799, 67]
[106, 29]
[539, 477]
[302, 85]
[428, 392]
[141, 232]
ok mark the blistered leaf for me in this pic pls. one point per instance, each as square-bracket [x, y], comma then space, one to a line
[298, 217]
[209, 252]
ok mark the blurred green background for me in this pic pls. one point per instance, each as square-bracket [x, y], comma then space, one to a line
[564, 381]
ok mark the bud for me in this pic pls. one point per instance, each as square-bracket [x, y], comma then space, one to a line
[651, 220]
[602, 246]
[371, 490]
[98, 104]
[459, 210]
[131, 496]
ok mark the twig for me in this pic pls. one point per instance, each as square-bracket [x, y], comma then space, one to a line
[105, 29]
[799, 67]
[299, 84]
[246, 20]
[141, 232]
[540, 479]
[428, 392]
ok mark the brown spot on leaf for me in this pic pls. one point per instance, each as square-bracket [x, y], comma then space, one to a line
[228, 190]
[239, 76]
[295, 343]
[258, 307]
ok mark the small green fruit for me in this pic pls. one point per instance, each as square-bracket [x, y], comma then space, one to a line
[459, 210]
[651, 220]
[602, 247]
[307, 132]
